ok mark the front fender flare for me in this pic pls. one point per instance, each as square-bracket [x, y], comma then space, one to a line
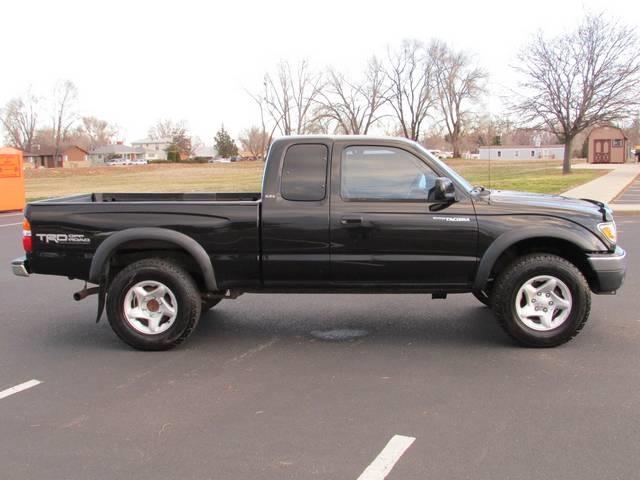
[507, 239]
[106, 249]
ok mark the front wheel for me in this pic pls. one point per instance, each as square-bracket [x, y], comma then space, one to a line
[541, 300]
[153, 304]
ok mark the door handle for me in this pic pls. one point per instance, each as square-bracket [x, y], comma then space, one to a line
[351, 220]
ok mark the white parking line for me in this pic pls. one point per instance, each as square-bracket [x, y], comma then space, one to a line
[19, 388]
[10, 224]
[388, 457]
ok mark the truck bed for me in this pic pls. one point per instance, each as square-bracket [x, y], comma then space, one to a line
[157, 197]
[225, 224]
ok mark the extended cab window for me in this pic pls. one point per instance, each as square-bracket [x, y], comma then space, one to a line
[304, 173]
[384, 173]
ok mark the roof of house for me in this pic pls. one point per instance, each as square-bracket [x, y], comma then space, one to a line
[551, 145]
[205, 152]
[151, 140]
[49, 151]
[117, 148]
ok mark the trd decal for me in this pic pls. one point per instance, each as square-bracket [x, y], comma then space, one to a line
[64, 238]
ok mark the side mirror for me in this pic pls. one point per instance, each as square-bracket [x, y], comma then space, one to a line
[445, 190]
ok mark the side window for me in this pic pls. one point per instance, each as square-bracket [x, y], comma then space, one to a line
[304, 173]
[384, 173]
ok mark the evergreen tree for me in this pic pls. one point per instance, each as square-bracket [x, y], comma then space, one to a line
[173, 153]
[225, 145]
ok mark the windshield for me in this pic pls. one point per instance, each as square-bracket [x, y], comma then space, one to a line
[450, 171]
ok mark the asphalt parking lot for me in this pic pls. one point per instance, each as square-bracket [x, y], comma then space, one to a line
[265, 389]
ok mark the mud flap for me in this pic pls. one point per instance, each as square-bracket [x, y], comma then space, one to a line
[102, 292]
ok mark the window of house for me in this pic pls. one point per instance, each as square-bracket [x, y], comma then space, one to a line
[499, 153]
[533, 153]
[617, 142]
[517, 153]
[384, 173]
[304, 173]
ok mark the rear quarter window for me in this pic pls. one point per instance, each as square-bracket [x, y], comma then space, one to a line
[304, 173]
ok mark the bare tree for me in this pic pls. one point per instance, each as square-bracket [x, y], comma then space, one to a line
[98, 132]
[266, 134]
[64, 98]
[255, 141]
[458, 83]
[167, 129]
[411, 86]
[176, 133]
[20, 118]
[353, 106]
[290, 95]
[587, 77]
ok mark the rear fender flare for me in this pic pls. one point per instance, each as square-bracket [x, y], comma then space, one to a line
[106, 249]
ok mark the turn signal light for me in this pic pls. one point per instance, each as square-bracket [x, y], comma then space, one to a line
[27, 243]
[609, 230]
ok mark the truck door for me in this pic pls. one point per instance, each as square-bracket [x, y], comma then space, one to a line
[295, 215]
[383, 231]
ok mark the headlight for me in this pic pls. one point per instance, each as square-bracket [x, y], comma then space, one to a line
[608, 229]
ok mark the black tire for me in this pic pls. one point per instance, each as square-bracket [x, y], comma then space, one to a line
[208, 304]
[483, 298]
[182, 287]
[516, 275]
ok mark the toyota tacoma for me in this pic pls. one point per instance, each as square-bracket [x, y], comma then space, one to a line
[337, 214]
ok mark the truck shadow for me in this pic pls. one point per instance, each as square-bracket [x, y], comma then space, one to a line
[314, 319]
[456, 325]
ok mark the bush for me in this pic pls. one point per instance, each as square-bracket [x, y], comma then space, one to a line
[190, 160]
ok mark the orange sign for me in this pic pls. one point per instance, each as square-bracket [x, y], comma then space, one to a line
[9, 166]
[11, 180]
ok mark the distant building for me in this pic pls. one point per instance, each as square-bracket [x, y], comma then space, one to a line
[521, 152]
[68, 156]
[607, 144]
[100, 155]
[153, 149]
[205, 153]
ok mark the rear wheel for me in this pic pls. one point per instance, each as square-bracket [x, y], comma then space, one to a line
[542, 300]
[153, 304]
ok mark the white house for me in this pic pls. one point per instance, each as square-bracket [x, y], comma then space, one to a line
[153, 149]
[521, 152]
[100, 155]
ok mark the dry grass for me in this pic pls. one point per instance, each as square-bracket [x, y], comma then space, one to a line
[217, 177]
[535, 176]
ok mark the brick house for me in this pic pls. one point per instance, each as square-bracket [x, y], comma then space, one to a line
[69, 156]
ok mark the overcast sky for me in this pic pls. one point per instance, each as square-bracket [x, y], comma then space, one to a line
[135, 62]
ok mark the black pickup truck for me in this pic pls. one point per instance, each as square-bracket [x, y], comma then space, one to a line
[336, 214]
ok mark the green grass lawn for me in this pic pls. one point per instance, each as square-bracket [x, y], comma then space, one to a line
[534, 176]
[540, 176]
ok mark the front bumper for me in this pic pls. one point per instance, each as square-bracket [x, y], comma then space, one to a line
[20, 267]
[610, 269]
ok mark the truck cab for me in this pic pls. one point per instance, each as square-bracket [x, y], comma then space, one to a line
[365, 213]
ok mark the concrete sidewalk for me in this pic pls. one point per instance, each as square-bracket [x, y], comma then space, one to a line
[609, 186]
